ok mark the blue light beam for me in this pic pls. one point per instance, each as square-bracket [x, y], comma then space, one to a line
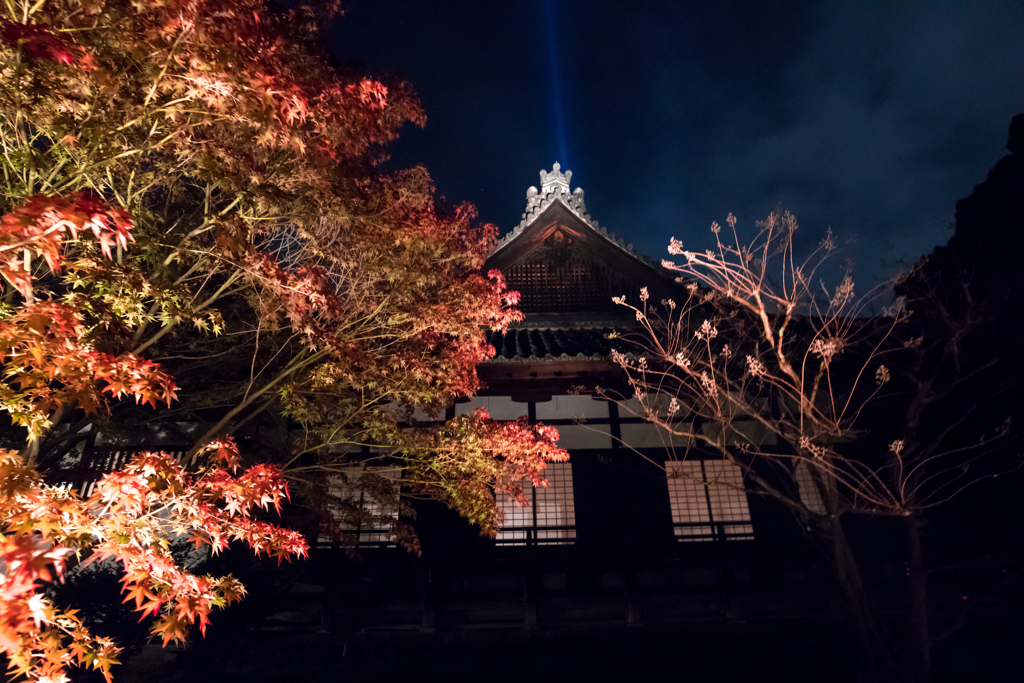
[556, 82]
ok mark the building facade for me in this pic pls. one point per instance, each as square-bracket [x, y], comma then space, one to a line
[643, 555]
[633, 529]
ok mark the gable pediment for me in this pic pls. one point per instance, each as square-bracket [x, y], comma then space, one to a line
[562, 265]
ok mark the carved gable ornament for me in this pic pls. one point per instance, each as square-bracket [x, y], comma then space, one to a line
[557, 250]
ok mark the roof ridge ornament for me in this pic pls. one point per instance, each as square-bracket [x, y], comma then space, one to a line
[554, 185]
[555, 181]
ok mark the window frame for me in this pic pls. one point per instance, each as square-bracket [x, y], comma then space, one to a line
[532, 533]
[709, 499]
[365, 537]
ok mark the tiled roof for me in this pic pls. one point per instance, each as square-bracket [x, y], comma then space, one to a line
[83, 471]
[554, 344]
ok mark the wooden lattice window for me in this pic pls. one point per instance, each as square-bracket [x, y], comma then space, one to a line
[550, 519]
[580, 284]
[708, 501]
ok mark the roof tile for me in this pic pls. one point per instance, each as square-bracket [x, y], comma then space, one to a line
[555, 342]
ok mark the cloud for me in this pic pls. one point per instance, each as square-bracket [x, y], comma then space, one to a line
[893, 115]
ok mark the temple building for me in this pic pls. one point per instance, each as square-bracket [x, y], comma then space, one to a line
[568, 268]
[632, 530]
[555, 367]
[644, 558]
[637, 550]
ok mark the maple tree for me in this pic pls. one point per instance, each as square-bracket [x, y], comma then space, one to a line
[770, 366]
[129, 517]
[133, 513]
[195, 219]
[472, 458]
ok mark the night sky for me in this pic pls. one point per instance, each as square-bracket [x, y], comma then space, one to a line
[869, 117]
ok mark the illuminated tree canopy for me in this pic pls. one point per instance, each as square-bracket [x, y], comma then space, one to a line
[195, 217]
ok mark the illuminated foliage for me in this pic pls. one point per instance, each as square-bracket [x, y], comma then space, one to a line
[764, 349]
[130, 517]
[471, 458]
[196, 228]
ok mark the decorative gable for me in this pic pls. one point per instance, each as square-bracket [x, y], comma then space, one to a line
[564, 265]
[561, 272]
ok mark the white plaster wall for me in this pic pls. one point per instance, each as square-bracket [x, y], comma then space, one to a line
[757, 433]
[659, 404]
[584, 436]
[571, 407]
[499, 407]
[649, 436]
[422, 416]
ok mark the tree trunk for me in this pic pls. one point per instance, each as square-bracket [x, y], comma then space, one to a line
[878, 665]
[920, 642]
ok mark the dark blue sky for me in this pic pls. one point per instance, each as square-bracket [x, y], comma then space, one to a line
[869, 117]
